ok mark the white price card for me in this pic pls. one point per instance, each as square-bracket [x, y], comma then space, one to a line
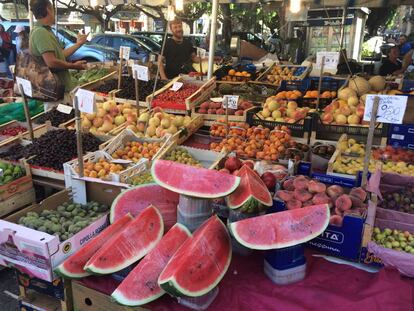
[201, 52]
[331, 60]
[391, 109]
[27, 86]
[141, 72]
[126, 50]
[64, 109]
[230, 101]
[176, 86]
[1, 172]
[86, 101]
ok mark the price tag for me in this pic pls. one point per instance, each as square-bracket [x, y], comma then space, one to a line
[176, 86]
[86, 101]
[1, 172]
[125, 52]
[331, 60]
[230, 101]
[391, 109]
[141, 72]
[64, 108]
[27, 86]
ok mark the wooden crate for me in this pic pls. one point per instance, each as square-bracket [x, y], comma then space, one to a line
[17, 186]
[209, 119]
[195, 124]
[37, 132]
[87, 299]
[30, 297]
[17, 202]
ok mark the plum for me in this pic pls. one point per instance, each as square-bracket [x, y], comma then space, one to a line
[233, 163]
[316, 187]
[302, 195]
[334, 191]
[293, 204]
[343, 202]
[307, 203]
[285, 195]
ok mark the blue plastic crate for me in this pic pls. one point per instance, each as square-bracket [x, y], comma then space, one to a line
[286, 258]
[401, 135]
[407, 85]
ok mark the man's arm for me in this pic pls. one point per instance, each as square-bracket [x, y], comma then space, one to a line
[162, 67]
[54, 63]
[81, 39]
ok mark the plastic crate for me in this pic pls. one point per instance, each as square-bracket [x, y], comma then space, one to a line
[407, 85]
[328, 84]
[300, 85]
[322, 131]
[301, 130]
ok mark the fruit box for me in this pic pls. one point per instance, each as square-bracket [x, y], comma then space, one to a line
[401, 135]
[300, 74]
[183, 134]
[37, 253]
[17, 186]
[344, 241]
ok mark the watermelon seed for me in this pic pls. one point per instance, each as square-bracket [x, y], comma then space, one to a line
[151, 285]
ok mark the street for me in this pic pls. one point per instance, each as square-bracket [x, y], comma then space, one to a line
[8, 283]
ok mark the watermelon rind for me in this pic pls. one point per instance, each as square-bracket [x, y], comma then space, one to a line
[234, 230]
[89, 267]
[64, 272]
[122, 299]
[195, 178]
[249, 198]
[171, 286]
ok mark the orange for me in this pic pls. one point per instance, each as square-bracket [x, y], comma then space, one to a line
[232, 72]
[314, 93]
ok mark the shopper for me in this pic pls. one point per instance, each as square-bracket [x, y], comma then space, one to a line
[391, 65]
[179, 54]
[6, 51]
[403, 45]
[43, 43]
[22, 39]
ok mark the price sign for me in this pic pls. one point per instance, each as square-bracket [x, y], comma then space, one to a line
[125, 51]
[1, 172]
[141, 72]
[27, 86]
[391, 109]
[176, 86]
[230, 101]
[64, 109]
[331, 60]
[86, 101]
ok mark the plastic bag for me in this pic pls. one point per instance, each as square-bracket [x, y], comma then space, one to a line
[15, 111]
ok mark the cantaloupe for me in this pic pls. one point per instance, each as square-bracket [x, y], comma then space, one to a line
[346, 93]
[359, 85]
[377, 83]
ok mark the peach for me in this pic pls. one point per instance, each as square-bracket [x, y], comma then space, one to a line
[359, 193]
[288, 184]
[293, 204]
[321, 198]
[336, 220]
[353, 119]
[302, 195]
[340, 119]
[327, 118]
[316, 187]
[292, 105]
[285, 195]
[300, 183]
[334, 191]
[343, 203]
[345, 110]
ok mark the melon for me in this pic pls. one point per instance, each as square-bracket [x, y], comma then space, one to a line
[193, 181]
[359, 85]
[283, 229]
[251, 191]
[138, 238]
[72, 267]
[200, 263]
[136, 199]
[377, 83]
[141, 284]
[346, 93]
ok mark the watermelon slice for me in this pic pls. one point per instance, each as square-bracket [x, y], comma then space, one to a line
[136, 199]
[193, 181]
[282, 229]
[251, 191]
[141, 286]
[72, 267]
[200, 263]
[138, 238]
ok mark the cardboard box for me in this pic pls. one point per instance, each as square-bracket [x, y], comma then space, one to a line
[37, 253]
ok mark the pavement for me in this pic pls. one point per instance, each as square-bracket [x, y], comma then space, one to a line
[8, 283]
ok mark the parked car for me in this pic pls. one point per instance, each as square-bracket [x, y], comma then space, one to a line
[195, 39]
[154, 45]
[251, 38]
[89, 52]
[139, 49]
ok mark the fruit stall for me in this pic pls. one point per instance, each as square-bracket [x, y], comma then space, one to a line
[211, 194]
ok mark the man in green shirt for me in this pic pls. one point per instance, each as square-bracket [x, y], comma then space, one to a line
[43, 43]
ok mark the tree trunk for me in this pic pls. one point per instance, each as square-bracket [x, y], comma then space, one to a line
[226, 30]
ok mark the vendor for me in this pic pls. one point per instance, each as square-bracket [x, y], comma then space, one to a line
[43, 43]
[179, 53]
[391, 65]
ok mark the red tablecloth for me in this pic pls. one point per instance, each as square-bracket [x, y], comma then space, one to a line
[327, 286]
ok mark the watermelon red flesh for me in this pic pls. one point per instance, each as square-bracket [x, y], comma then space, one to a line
[138, 238]
[282, 229]
[72, 267]
[193, 181]
[135, 200]
[200, 263]
[251, 187]
[141, 284]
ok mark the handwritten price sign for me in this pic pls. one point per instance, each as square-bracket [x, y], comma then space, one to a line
[124, 52]
[86, 101]
[391, 109]
[141, 72]
[26, 85]
[331, 60]
[230, 101]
